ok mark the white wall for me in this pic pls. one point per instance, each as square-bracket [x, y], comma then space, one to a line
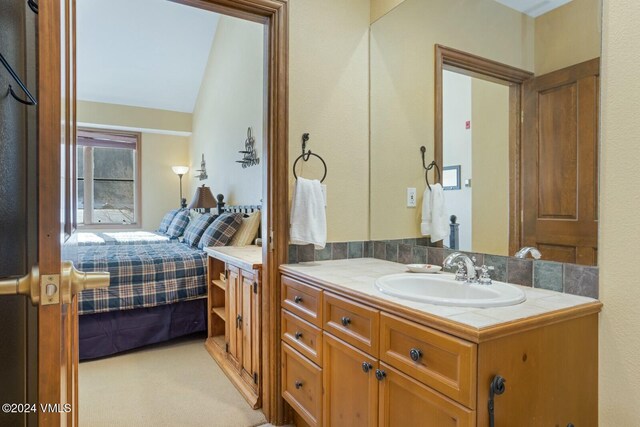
[457, 143]
[619, 218]
[230, 100]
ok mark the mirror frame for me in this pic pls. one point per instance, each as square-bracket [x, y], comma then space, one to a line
[477, 67]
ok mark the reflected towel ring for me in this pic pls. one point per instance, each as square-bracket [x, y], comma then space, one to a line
[306, 155]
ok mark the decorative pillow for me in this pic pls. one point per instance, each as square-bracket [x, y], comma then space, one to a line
[166, 220]
[248, 230]
[196, 228]
[178, 224]
[221, 231]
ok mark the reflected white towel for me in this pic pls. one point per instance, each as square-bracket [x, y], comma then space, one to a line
[434, 214]
[308, 216]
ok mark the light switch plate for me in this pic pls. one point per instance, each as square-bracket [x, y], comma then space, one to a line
[411, 197]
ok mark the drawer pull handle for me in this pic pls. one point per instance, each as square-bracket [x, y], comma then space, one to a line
[297, 299]
[298, 335]
[366, 367]
[415, 354]
[298, 385]
[380, 374]
[346, 321]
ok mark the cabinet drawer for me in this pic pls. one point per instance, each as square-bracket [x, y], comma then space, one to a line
[354, 323]
[303, 300]
[302, 336]
[302, 385]
[443, 362]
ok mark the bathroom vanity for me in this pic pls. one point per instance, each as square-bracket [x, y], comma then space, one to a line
[354, 356]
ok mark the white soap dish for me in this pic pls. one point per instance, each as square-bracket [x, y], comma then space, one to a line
[424, 268]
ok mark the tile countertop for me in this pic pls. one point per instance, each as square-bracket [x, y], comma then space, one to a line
[359, 275]
[247, 257]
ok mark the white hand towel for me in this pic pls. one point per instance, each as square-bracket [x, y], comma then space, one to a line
[426, 225]
[439, 224]
[308, 216]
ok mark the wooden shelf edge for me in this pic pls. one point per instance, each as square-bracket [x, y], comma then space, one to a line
[220, 312]
[220, 284]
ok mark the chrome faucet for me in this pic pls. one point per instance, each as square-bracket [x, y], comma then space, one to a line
[522, 253]
[466, 266]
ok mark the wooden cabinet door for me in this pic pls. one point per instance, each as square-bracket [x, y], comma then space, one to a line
[350, 385]
[407, 402]
[250, 328]
[234, 305]
[560, 164]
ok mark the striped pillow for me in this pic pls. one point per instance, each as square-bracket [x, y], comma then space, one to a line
[166, 220]
[178, 224]
[221, 231]
[248, 230]
[196, 228]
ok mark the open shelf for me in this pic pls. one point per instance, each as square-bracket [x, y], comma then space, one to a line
[219, 311]
[220, 284]
[218, 340]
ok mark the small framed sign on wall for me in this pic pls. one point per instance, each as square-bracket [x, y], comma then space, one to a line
[451, 177]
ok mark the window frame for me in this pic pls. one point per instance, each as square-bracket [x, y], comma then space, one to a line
[137, 185]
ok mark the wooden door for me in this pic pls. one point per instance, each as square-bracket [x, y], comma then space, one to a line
[234, 304]
[57, 322]
[407, 402]
[250, 329]
[350, 385]
[560, 164]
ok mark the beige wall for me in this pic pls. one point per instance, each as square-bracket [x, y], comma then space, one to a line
[160, 151]
[619, 219]
[490, 183]
[381, 7]
[402, 94]
[568, 35]
[160, 186]
[133, 118]
[329, 97]
[230, 100]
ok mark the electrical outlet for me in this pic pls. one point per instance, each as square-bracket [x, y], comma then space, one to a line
[411, 197]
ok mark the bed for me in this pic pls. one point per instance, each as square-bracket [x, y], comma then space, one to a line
[157, 292]
[87, 238]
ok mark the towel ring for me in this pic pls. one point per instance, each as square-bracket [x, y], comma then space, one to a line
[431, 165]
[305, 157]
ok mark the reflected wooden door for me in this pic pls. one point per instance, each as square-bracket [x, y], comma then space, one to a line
[560, 164]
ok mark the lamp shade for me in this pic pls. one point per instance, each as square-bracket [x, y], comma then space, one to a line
[180, 170]
[203, 199]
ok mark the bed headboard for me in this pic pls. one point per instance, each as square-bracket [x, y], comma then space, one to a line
[245, 209]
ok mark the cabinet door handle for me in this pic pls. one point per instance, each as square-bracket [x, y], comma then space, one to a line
[298, 335]
[415, 354]
[239, 322]
[297, 299]
[366, 367]
[380, 374]
[346, 321]
[298, 385]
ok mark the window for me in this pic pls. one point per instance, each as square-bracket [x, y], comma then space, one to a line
[108, 175]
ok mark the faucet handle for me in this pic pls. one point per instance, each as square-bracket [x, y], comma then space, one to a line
[485, 274]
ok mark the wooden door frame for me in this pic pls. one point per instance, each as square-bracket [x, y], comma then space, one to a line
[274, 15]
[475, 66]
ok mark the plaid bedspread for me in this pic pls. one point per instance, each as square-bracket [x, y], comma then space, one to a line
[142, 276]
[86, 238]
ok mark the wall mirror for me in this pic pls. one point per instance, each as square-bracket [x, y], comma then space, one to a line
[505, 93]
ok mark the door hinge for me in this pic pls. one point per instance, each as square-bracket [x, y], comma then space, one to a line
[521, 116]
[255, 287]
[271, 240]
[226, 347]
[255, 377]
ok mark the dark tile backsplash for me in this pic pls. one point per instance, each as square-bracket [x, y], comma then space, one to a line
[568, 278]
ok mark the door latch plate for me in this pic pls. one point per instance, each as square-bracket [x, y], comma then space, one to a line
[50, 289]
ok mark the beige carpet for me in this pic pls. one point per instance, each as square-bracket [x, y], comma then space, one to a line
[175, 384]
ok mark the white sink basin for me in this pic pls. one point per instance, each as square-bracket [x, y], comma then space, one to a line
[441, 289]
